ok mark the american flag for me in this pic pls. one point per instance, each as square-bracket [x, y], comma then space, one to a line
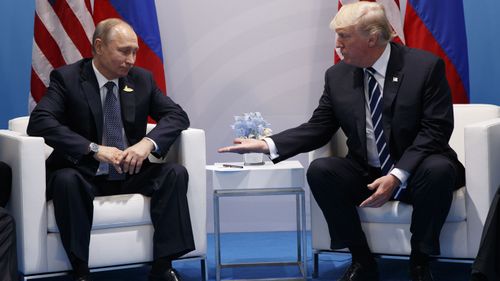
[62, 35]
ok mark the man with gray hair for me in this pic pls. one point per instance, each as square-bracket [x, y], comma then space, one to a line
[394, 105]
[94, 115]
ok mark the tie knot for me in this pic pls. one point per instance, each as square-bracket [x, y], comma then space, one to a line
[109, 86]
[371, 70]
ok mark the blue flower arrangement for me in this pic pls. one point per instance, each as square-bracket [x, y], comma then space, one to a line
[251, 126]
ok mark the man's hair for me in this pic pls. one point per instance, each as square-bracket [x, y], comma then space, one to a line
[367, 17]
[103, 30]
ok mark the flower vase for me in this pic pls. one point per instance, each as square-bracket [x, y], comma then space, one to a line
[253, 158]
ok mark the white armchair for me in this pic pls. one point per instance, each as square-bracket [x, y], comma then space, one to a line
[121, 232]
[476, 139]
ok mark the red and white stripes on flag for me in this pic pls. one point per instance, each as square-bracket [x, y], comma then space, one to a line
[62, 35]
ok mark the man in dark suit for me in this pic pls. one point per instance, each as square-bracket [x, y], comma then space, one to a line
[8, 253]
[394, 105]
[94, 115]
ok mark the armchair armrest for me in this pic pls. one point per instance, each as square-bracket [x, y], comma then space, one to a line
[189, 150]
[335, 147]
[482, 173]
[192, 155]
[26, 157]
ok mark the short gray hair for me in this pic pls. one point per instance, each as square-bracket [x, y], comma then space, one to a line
[103, 30]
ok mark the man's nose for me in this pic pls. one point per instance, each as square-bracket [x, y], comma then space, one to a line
[338, 43]
[131, 58]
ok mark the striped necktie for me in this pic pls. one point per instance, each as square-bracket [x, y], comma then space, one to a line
[376, 104]
[113, 126]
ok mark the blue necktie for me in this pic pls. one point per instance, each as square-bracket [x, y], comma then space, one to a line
[113, 126]
[376, 103]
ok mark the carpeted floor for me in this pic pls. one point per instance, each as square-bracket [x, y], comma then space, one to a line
[276, 247]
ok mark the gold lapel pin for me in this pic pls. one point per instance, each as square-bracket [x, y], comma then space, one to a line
[127, 89]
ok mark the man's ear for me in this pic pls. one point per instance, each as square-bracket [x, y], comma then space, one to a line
[372, 40]
[98, 45]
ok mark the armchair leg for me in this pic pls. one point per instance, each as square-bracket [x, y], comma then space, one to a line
[204, 271]
[315, 264]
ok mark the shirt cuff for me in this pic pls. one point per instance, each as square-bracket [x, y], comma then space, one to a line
[156, 150]
[273, 151]
[402, 176]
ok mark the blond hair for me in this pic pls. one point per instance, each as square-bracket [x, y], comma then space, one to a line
[367, 17]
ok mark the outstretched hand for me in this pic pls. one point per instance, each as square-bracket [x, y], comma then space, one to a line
[245, 145]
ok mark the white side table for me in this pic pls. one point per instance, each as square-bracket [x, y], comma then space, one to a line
[284, 178]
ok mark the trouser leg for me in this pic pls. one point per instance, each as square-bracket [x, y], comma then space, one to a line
[339, 185]
[166, 184]
[430, 191]
[72, 196]
[8, 255]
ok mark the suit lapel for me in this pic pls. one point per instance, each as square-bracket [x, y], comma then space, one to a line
[90, 88]
[359, 110]
[393, 78]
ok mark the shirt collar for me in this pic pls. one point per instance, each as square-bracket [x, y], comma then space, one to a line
[381, 63]
[101, 80]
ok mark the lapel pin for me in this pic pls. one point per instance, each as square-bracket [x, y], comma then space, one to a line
[127, 89]
[395, 79]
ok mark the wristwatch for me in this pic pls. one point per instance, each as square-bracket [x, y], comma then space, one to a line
[93, 148]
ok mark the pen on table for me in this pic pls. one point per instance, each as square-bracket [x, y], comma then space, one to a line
[232, 166]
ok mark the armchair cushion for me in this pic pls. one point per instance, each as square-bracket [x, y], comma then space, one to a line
[112, 212]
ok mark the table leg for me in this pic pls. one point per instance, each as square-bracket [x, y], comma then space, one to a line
[299, 230]
[304, 234]
[217, 238]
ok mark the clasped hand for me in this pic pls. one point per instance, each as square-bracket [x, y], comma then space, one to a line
[125, 161]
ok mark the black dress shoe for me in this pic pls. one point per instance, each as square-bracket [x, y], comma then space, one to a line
[478, 277]
[358, 272]
[82, 278]
[169, 275]
[420, 273]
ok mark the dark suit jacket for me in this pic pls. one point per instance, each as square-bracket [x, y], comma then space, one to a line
[417, 113]
[70, 115]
